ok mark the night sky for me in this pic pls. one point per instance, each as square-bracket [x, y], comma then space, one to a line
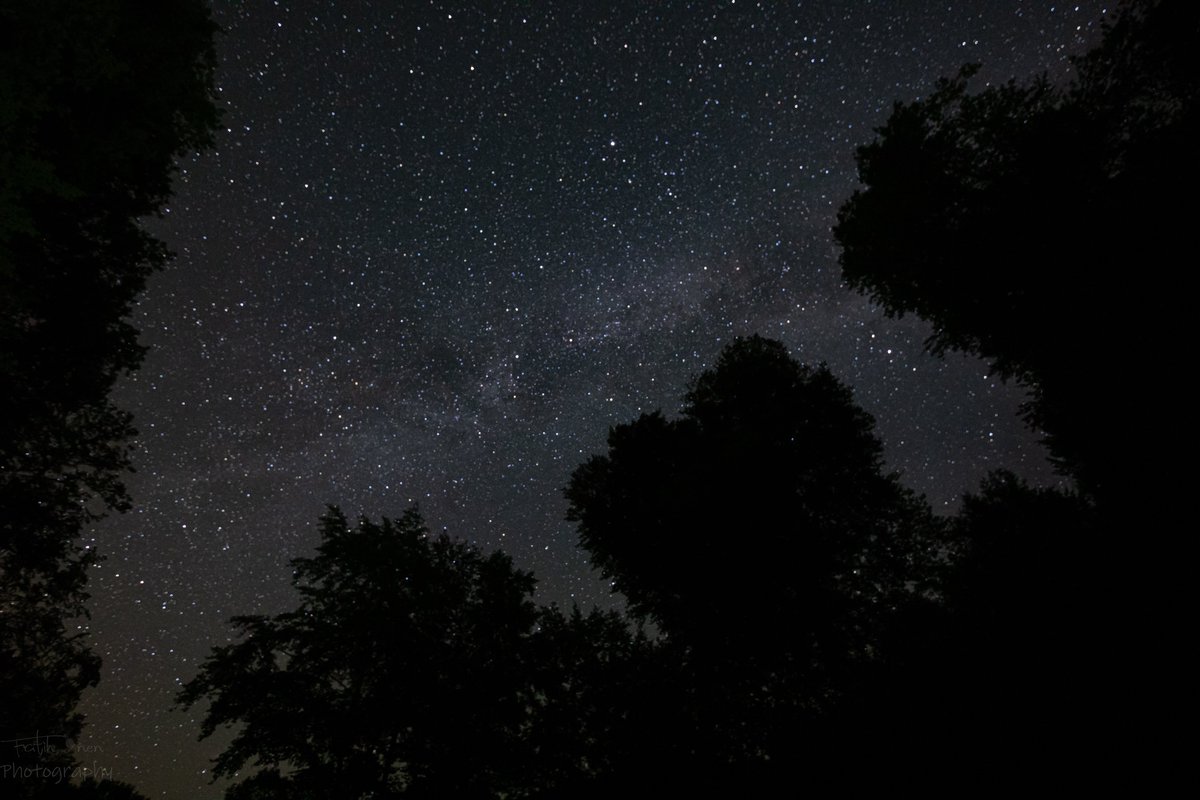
[439, 250]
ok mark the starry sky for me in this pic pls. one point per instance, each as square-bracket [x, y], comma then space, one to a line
[440, 248]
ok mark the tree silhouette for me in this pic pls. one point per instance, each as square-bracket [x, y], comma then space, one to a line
[1017, 220]
[1037, 226]
[611, 717]
[416, 666]
[1021, 606]
[761, 535]
[97, 101]
[399, 670]
[998, 673]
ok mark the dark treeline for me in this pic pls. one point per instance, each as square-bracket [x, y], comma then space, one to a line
[97, 99]
[814, 623]
[1029, 223]
[795, 616]
[758, 533]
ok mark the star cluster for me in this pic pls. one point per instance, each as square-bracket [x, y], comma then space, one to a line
[439, 249]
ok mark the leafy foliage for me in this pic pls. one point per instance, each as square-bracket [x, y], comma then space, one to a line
[97, 101]
[416, 666]
[1017, 220]
[760, 533]
[1001, 672]
[400, 667]
[1038, 226]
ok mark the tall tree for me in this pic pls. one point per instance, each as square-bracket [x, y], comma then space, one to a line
[1025, 222]
[96, 101]
[398, 671]
[1039, 227]
[417, 666]
[761, 534]
[998, 673]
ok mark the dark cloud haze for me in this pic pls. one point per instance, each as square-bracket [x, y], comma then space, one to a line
[440, 249]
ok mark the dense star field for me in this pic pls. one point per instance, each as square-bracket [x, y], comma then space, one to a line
[440, 249]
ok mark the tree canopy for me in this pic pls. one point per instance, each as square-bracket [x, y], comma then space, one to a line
[96, 102]
[1025, 221]
[771, 480]
[811, 614]
[998, 671]
[416, 665]
[400, 667]
[1038, 226]
[760, 532]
